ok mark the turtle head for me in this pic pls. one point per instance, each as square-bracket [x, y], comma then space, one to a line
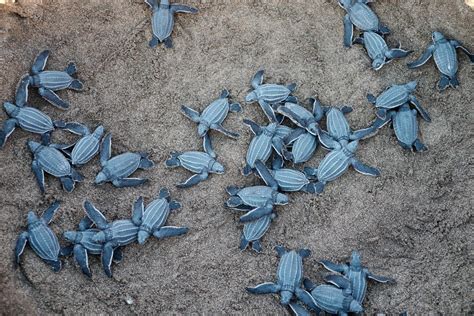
[378, 63]
[281, 199]
[437, 36]
[32, 218]
[251, 97]
[285, 297]
[99, 131]
[355, 259]
[10, 108]
[345, 4]
[99, 237]
[33, 145]
[217, 168]
[142, 236]
[100, 178]
[411, 85]
[202, 129]
[355, 307]
[71, 236]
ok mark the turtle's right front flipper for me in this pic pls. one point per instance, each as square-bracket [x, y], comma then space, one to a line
[423, 59]
[181, 8]
[53, 98]
[197, 178]
[333, 267]
[8, 128]
[81, 257]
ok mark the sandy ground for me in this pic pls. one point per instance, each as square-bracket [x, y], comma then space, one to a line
[413, 223]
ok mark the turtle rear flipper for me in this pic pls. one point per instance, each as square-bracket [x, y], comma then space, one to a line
[168, 42]
[247, 170]
[444, 82]
[419, 146]
[71, 69]
[154, 42]
[77, 85]
[128, 182]
[244, 243]
[174, 205]
[146, 163]
[319, 187]
[173, 161]
[68, 183]
[55, 264]
[235, 107]
[234, 201]
[257, 246]
[383, 29]
[53, 98]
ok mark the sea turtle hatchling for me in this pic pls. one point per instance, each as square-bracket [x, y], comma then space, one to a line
[118, 168]
[83, 244]
[41, 238]
[269, 94]
[26, 117]
[47, 158]
[260, 148]
[201, 163]
[336, 163]
[445, 57]
[396, 96]
[254, 231]
[289, 278]
[87, 146]
[357, 275]
[257, 201]
[405, 125]
[112, 235]
[49, 81]
[378, 50]
[302, 117]
[303, 145]
[152, 219]
[162, 20]
[360, 15]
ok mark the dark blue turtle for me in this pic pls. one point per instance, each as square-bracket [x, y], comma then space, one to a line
[112, 235]
[153, 218]
[41, 239]
[254, 231]
[162, 20]
[83, 244]
[267, 95]
[378, 50]
[444, 52]
[257, 201]
[47, 158]
[360, 15]
[302, 117]
[357, 275]
[303, 145]
[87, 146]
[48, 81]
[336, 163]
[406, 127]
[212, 117]
[260, 148]
[27, 118]
[118, 168]
[289, 278]
[336, 299]
[285, 179]
[396, 96]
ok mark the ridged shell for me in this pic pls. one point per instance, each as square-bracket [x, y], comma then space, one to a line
[375, 45]
[156, 213]
[33, 120]
[333, 165]
[255, 230]
[290, 180]
[329, 298]
[300, 111]
[54, 80]
[283, 131]
[195, 161]
[359, 284]
[124, 232]
[162, 22]
[405, 125]
[304, 147]
[393, 97]
[216, 112]
[88, 243]
[43, 241]
[85, 149]
[53, 161]
[363, 17]
[260, 149]
[123, 165]
[256, 196]
[290, 270]
[446, 59]
[272, 93]
[337, 124]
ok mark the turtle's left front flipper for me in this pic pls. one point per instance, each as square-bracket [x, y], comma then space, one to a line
[128, 182]
[181, 8]
[364, 169]
[169, 231]
[197, 178]
[381, 279]
[53, 98]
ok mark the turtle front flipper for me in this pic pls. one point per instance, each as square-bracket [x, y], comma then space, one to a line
[107, 257]
[298, 310]
[20, 245]
[224, 131]
[138, 209]
[128, 182]
[339, 281]
[363, 133]
[265, 174]
[256, 213]
[7, 130]
[207, 145]
[53, 98]
[50, 211]
[457, 44]
[40, 62]
[77, 128]
[397, 53]
[106, 149]
[265, 288]
[424, 114]
[256, 129]
[268, 110]
[348, 31]
[193, 115]
[181, 8]
[169, 231]
[195, 179]
[39, 174]
[334, 267]
[306, 298]
[95, 215]
[21, 96]
[257, 79]
[81, 257]
[423, 58]
[364, 169]
[151, 3]
[379, 278]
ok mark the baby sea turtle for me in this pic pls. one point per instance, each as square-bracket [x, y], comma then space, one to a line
[118, 168]
[303, 145]
[213, 116]
[302, 117]
[88, 146]
[201, 163]
[112, 235]
[153, 218]
[41, 238]
[444, 52]
[396, 96]
[360, 15]
[162, 20]
[406, 127]
[83, 244]
[269, 94]
[47, 158]
[336, 163]
[257, 200]
[357, 275]
[285, 179]
[378, 49]
[336, 299]
[48, 81]
[289, 278]
[27, 118]
[260, 148]
[254, 231]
